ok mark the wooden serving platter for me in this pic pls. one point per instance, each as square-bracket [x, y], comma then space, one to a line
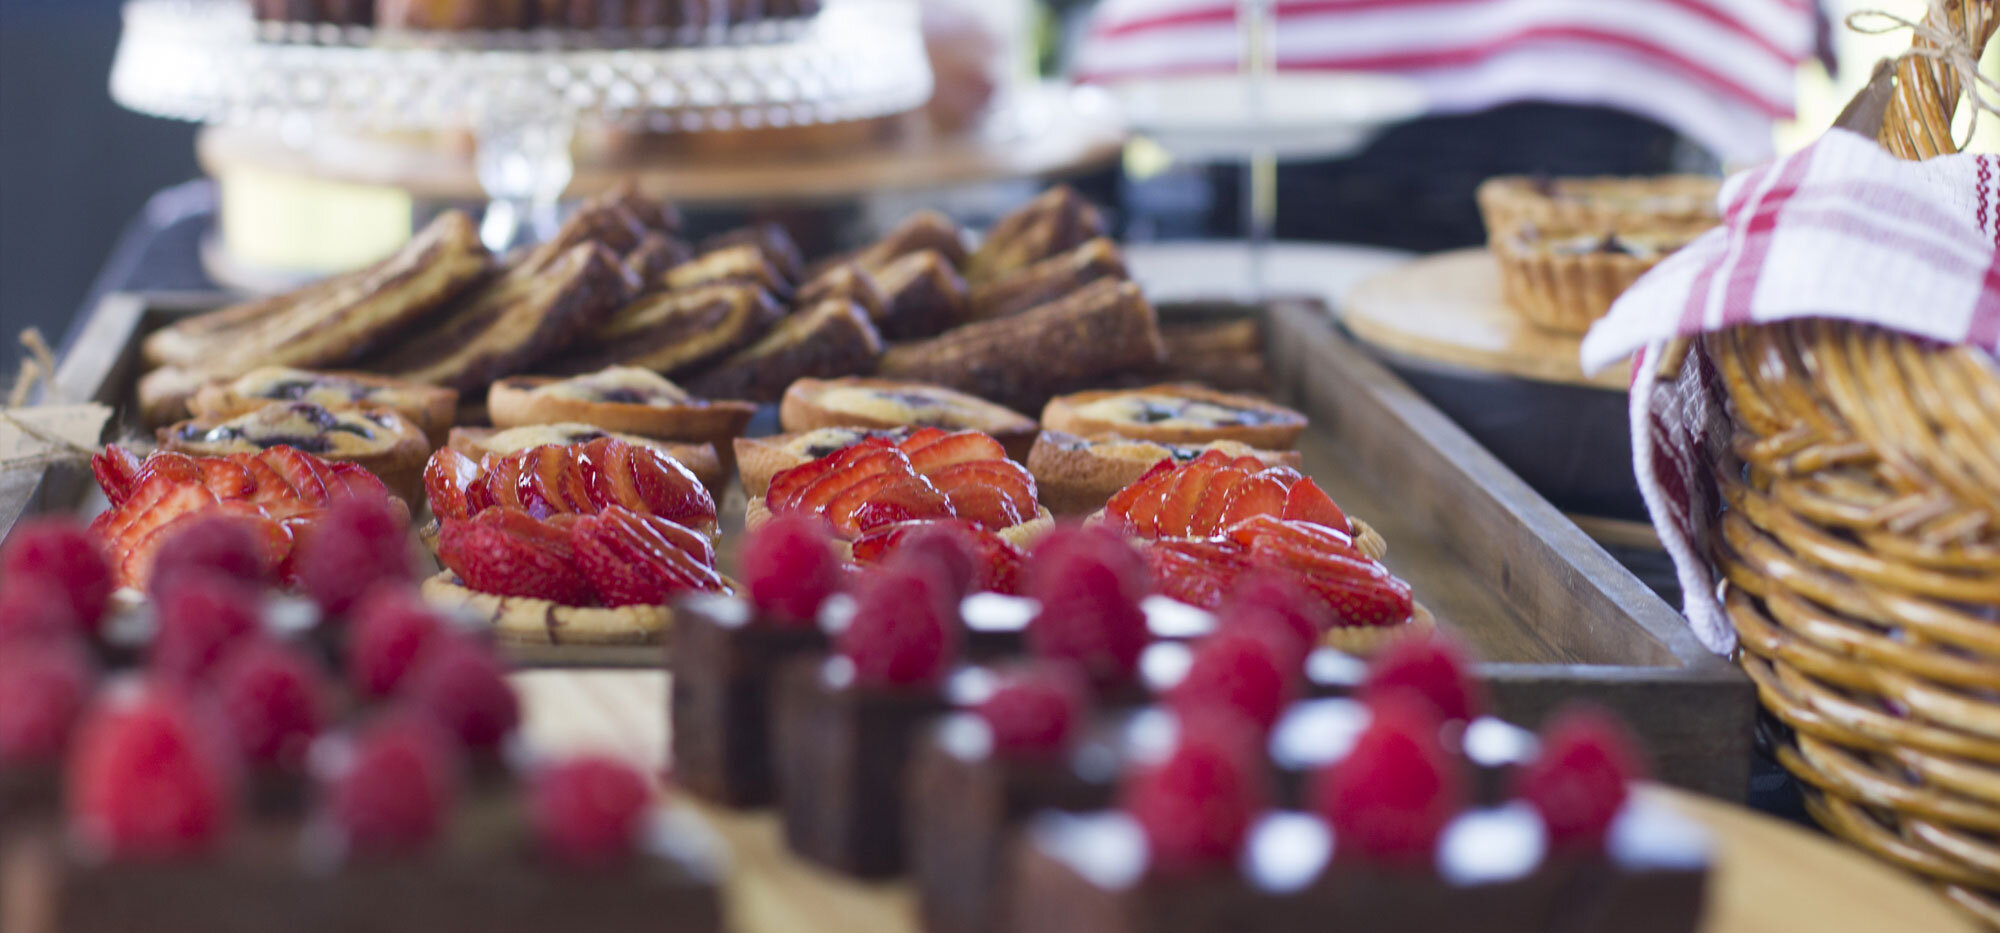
[1553, 617]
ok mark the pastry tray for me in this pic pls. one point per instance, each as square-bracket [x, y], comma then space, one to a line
[1554, 616]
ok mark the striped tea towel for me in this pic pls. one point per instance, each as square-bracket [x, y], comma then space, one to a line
[1840, 229]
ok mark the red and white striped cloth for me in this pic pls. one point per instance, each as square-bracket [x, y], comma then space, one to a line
[1719, 71]
[1840, 229]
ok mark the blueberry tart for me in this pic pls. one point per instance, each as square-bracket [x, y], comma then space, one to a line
[1564, 282]
[885, 403]
[623, 399]
[1175, 414]
[1511, 203]
[379, 440]
[430, 408]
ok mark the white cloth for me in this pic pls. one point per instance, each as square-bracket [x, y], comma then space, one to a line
[1840, 229]
[1719, 71]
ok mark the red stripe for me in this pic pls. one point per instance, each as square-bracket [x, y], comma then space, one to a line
[1984, 329]
[1693, 314]
[1749, 269]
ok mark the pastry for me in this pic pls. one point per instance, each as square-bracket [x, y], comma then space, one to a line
[1055, 222]
[655, 253]
[430, 408]
[1175, 414]
[736, 264]
[621, 399]
[1022, 360]
[1172, 501]
[1048, 280]
[476, 443]
[1077, 476]
[165, 393]
[923, 230]
[770, 239]
[921, 295]
[832, 338]
[930, 474]
[760, 458]
[845, 282]
[451, 15]
[856, 401]
[675, 332]
[1226, 355]
[336, 321]
[379, 440]
[1512, 203]
[1564, 282]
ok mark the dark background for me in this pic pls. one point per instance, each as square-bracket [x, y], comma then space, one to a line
[74, 167]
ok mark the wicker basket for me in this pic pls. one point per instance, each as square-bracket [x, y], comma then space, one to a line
[1862, 550]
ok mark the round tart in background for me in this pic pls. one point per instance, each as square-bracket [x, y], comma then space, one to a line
[1175, 414]
[1511, 203]
[1565, 282]
[862, 402]
[526, 620]
[622, 399]
[431, 408]
[379, 440]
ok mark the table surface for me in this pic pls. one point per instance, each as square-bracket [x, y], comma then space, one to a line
[1772, 877]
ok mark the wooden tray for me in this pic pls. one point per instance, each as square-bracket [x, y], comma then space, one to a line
[1555, 618]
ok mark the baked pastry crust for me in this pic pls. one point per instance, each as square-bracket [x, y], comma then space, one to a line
[621, 399]
[1175, 414]
[856, 401]
[380, 440]
[1077, 476]
[922, 295]
[1511, 203]
[1564, 283]
[760, 458]
[672, 332]
[1056, 221]
[524, 620]
[431, 408]
[1048, 280]
[1367, 640]
[832, 338]
[700, 459]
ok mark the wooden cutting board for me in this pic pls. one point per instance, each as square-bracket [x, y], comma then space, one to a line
[1773, 877]
[1447, 309]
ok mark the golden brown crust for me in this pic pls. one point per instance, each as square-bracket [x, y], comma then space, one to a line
[857, 401]
[1175, 414]
[845, 282]
[393, 447]
[700, 458]
[524, 620]
[1566, 291]
[1048, 280]
[1054, 222]
[770, 239]
[738, 264]
[164, 394]
[514, 402]
[431, 408]
[1076, 476]
[923, 230]
[832, 338]
[1020, 361]
[921, 295]
[1513, 203]
[675, 332]
[1366, 640]
[760, 458]
[649, 261]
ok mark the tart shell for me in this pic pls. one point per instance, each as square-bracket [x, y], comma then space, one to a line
[432, 409]
[399, 464]
[1565, 292]
[1279, 432]
[1510, 203]
[1365, 640]
[524, 620]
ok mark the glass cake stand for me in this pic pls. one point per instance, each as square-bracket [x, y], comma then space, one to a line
[520, 94]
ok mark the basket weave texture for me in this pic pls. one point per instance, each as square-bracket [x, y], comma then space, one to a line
[1862, 549]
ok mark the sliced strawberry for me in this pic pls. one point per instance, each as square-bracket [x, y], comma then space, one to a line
[921, 438]
[505, 552]
[552, 483]
[500, 485]
[1249, 464]
[275, 540]
[988, 508]
[1362, 600]
[1207, 518]
[172, 465]
[670, 490]
[272, 492]
[635, 559]
[300, 526]
[139, 540]
[912, 498]
[1305, 536]
[301, 470]
[954, 448]
[1290, 555]
[346, 480]
[999, 562]
[1179, 502]
[1144, 489]
[1261, 494]
[789, 486]
[448, 479]
[607, 468]
[1200, 573]
[840, 509]
[116, 469]
[849, 467]
[226, 478]
[146, 495]
[1308, 503]
[992, 494]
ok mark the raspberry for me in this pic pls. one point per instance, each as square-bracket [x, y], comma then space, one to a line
[1391, 797]
[464, 686]
[1432, 669]
[1098, 543]
[947, 547]
[1580, 780]
[588, 811]
[1197, 805]
[60, 551]
[1269, 596]
[1035, 711]
[1089, 615]
[199, 617]
[904, 629]
[393, 787]
[43, 685]
[35, 609]
[274, 700]
[391, 629]
[144, 782]
[1238, 671]
[789, 568]
[217, 544]
[361, 542]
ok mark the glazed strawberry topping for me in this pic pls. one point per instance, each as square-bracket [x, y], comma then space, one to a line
[1195, 571]
[1036, 711]
[790, 569]
[59, 552]
[505, 552]
[35, 609]
[1238, 671]
[1206, 495]
[931, 474]
[614, 557]
[144, 780]
[448, 479]
[462, 685]
[588, 811]
[241, 547]
[1350, 588]
[1089, 615]
[361, 543]
[199, 619]
[1390, 799]
[905, 627]
[1581, 779]
[1196, 806]
[580, 479]
[632, 559]
[1267, 600]
[1433, 670]
[394, 786]
[1090, 542]
[1306, 502]
[391, 629]
[43, 685]
[976, 560]
[275, 701]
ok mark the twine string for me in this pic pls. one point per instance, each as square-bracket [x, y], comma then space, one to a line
[1941, 42]
[40, 366]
